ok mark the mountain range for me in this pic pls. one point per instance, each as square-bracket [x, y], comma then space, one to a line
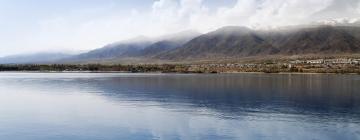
[227, 42]
[35, 58]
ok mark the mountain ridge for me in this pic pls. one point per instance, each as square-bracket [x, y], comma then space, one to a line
[226, 42]
[243, 42]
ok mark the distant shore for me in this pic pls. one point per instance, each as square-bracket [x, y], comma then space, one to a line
[128, 72]
[117, 72]
[336, 66]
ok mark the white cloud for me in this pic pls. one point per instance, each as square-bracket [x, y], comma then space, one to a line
[240, 13]
[176, 15]
[184, 14]
[286, 12]
[94, 27]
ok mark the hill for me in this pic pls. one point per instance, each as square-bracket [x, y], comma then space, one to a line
[231, 42]
[237, 42]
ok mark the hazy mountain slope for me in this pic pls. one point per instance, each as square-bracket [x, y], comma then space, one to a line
[116, 50]
[354, 31]
[158, 48]
[34, 58]
[227, 41]
[141, 47]
[168, 42]
[231, 42]
[242, 42]
[324, 40]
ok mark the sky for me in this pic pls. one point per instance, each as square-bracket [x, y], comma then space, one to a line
[29, 26]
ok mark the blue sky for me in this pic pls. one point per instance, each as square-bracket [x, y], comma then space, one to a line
[29, 26]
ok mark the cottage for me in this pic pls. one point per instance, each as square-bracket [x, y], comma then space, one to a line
[318, 61]
[355, 61]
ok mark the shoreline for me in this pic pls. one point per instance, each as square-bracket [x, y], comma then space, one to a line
[185, 73]
[283, 68]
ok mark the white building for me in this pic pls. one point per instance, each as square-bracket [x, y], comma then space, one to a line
[318, 61]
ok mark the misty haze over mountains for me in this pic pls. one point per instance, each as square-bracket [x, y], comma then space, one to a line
[332, 37]
[45, 57]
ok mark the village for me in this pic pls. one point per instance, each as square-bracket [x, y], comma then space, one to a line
[341, 65]
[327, 61]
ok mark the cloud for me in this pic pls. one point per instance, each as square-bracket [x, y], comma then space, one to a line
[92, 27]
[286, 12]
[251, 13]
[177, 15]
[76, 33]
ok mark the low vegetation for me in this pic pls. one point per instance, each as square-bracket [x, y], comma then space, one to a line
[298, 66]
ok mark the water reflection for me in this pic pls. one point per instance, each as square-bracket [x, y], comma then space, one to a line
[160, 106]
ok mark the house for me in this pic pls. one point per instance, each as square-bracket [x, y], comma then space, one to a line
[318, 61]
[355, 61]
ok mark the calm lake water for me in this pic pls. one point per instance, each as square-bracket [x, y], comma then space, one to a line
[89, 106]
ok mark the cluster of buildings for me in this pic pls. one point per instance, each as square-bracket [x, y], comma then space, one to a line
[235, 65]
[327, 61]
[320, 65]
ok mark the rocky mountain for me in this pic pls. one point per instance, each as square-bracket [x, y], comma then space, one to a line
[224, 42]
[243, 42]
[158, 48]
[167, 43]
[140, 47]
[227, 42]
[321, 40]
[126, 48]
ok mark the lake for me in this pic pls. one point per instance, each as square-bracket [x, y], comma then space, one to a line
[106, 106]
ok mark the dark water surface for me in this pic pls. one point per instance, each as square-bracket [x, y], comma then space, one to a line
[38, 106]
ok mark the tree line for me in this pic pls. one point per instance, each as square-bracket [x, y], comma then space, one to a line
[92, 67]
